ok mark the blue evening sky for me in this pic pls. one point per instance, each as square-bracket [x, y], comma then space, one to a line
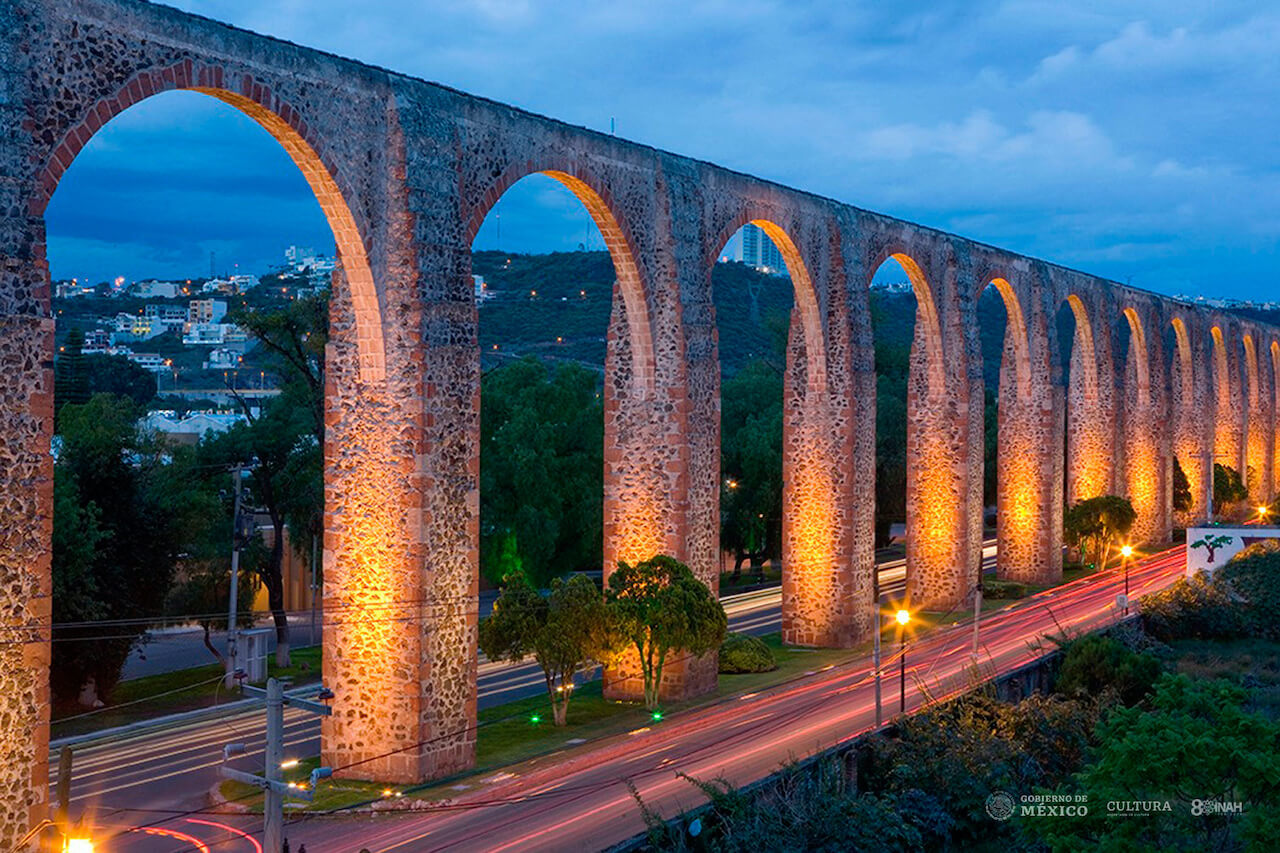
[1133, 140]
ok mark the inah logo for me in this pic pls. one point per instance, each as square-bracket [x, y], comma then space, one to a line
[1000, 805]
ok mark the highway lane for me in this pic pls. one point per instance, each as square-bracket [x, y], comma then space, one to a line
[584, 802]
[175, 766]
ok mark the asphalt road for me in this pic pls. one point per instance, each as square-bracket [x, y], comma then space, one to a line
[135, 780]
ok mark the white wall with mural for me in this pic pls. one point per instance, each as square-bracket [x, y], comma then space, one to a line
[1210, 548]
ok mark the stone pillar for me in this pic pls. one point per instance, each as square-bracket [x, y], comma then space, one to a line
[1192, 438]
[1145, 435]
[1089, 408]
[828, 447]
[1258, 441]
[26, 429]
[1029, 449]
[944, 440]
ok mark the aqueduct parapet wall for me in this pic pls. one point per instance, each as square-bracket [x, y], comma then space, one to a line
[406, 170]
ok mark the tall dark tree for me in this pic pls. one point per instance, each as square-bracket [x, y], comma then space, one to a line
[541, 471]
[115, 374]
[70, 381]
[123, 504]
[1181, 488]
[751, 464]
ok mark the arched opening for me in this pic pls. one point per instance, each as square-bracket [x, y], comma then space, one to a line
[917, 516]
[1257, 438]
[151, 336]
[1087, 438]
[1188, 484]
[753, 289]
[1012, 438]
[1142, 471]
[554, 281]
[1226, 450]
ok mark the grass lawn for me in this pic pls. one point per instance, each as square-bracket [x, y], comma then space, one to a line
[507, 734]
[1250, 662]
[173, 692]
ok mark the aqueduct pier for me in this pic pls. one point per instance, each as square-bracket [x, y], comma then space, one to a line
[406, 171]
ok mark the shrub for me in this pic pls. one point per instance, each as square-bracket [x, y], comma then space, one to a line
[744, 653]
[998, 589]
[1250, 584]
[1095, 663]
[1193, 607]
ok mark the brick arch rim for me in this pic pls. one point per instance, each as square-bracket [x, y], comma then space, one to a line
[806, 295]
[1084, 331]
[1015, 321]
[287, 126]
[594, 195]
[926, 311]
[1141, 363]
[1186, 361]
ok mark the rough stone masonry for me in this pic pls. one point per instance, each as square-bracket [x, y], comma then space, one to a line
[406, 171]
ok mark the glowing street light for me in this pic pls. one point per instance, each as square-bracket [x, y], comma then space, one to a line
[77, 845]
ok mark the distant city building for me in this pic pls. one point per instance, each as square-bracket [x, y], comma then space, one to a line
[892, 286]
[206, 310]
[153, 289]
[150, 361]
[72, 289]
[755, 249]
[483, 293]
[169, 317]
[241, 283]
[299, 256]
[214, 334]
[222, 358]
[191, 428]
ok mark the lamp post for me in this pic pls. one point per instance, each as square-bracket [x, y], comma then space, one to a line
[903, 618]
[1125, 551]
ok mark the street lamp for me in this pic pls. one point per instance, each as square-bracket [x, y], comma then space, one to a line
[1125, 552]
[903, 618]
[77, 845]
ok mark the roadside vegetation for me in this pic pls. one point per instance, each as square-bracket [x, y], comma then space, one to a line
[1180, 708]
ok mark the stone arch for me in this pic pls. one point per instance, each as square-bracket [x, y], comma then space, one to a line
[616, 238]
[1016, 332]
[1138, 352]
[1226, 433]
[926, 313]
[1256, 474]
[1188, 436]
[808, 304]
[1088, 355]
[288, 127]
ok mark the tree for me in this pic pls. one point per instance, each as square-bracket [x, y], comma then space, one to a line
[751, 465]
[1228, 488]
[1182, 500]
[541, 470]
[658, 606]
[283, 443]
[1096, 662]
[1100, 522]
[70, 381]
[565, 632]
[115, 374]
[1196, 742]
[123, 504]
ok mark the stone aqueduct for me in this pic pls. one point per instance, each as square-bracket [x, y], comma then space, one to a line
[406, 171]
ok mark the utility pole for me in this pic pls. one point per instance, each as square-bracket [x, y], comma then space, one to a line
[232, 642]
[315, 589]
[977, 612]
[271, 781]
[875, 648]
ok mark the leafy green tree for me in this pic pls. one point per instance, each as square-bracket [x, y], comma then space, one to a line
[122, 505]
[70, 381]
[658, 607]
[565, 632]
[1099, 522]
[541, 470]
[1095, 662]
[1196, 742]
[1228, 488]
[751, 465]
[115, 374]
[1182, 499]
[1193, 607]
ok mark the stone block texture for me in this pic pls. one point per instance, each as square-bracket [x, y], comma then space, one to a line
[406, 171]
